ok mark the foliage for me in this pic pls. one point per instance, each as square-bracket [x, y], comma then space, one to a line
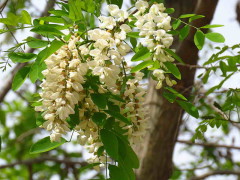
[113, 126]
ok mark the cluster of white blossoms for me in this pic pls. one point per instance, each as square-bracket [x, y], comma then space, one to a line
[61, 88]
[102, 54]
[154, 25]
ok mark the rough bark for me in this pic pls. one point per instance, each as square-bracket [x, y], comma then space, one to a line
[156, 153]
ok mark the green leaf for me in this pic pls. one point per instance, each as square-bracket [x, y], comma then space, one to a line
[173, 69]
[26, 18]
[133, 34]
[127, 154]
[110, 143]
[90, 6]
[48, 51]
[109, 123]
[117, 2]
[169, 10]
[21, 57]
[99, 117]
[89, 166]
[36, 71]
[75, 9]
[177, 94]
[118, 116]
[38, 66]
[127, 170]
[173, 32]
[36, 43]
[212, 26]
[142, 54]
[0, 143]
[45, 145]
[100, 151]
[156, 65]
[189, 108]
[206, 76]
[187, 15]
[46, 30]
[116, 173]
[169, 96]
[74, 118]
[39, 120]
[141, 66]
[100, 100]
[53, 19]
[9, 20]
[58, 12]
[176, 24]
[183, 33]
[133, 42]
[174, 55]
[20, 77]
[215, 37]
[199, 39]
[2, 117]
[195, 17]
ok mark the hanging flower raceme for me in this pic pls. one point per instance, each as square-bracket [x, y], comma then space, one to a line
[61, 88]
[154, 25]
[96, 66]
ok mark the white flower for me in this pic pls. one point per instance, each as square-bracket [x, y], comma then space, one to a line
[168, 81]
[101, 44]
[156, 8]
[84, 50]
[149, 43]
[113, 9]
[160, 34]
[95, 52]
[139, 23]
[159, 49]
[122, 15]
[149, 26]
[167, 41]
[115, 56]
[123, 48]
[158, 73]
[55, 137]
[159, 85]
[120, 36]
[96, 34]
[107, 22]
[126, 28]
[141, 5]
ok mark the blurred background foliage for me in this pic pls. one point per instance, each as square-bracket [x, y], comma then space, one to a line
[218, 123]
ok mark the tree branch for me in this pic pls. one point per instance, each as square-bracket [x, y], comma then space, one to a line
[217, 172]
[209, 144]
[30, 162]
[7, 86]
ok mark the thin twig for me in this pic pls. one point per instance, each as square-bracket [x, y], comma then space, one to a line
[209, 144]
[217, 172]
[43, 159]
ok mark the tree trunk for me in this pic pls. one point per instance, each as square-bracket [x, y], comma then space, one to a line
[157, 149]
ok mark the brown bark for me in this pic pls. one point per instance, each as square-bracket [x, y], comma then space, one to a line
[156, 153]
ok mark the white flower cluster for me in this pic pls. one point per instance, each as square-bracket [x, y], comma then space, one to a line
[101, 54]
[135, 110]
[154, 25]
[61, 88]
